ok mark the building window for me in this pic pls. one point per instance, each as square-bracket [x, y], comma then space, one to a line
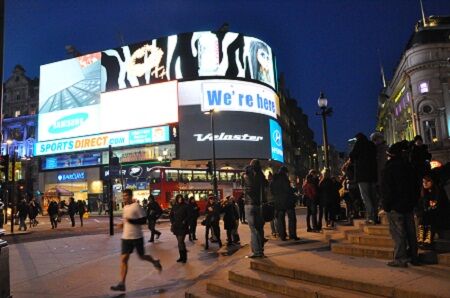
[17, 114]
[429, 127]
[427, 109]
[423, 87]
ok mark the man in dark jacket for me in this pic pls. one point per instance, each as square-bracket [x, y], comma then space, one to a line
[284, 203]
[399, 197]
[72, 209]
[254, 184]
[153, 211]
[420, 158]
[364, 158]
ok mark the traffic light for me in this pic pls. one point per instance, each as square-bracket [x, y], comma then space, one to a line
[209, 168]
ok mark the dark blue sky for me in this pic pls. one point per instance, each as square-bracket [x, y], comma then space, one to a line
[320, 44]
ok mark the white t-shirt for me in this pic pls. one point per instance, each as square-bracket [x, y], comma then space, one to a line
[131, 231]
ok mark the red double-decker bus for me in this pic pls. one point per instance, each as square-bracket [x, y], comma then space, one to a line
[166, 183]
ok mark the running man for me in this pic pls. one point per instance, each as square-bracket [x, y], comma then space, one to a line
[132, 237]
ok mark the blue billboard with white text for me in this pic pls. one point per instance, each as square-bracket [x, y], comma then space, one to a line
[276, 141]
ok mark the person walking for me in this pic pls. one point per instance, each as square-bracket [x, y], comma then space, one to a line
[22, 212]
[230, 216]
[33, 209]
[399, 197]
[195, 213]
[310, 197]
[254, 184]
[180, 216]
[284, 204]
[154, 212]
[212, 218]
[52, 211]
[81, 210]
[364, 158]
[72, 209]
[240, 203]
[328, 196]
[132, 237]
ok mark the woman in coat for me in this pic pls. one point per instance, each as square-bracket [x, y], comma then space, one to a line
[195, 210]
[180, 216]
[212, 220]
[230, 218]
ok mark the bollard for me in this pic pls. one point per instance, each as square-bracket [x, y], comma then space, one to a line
[5, 291]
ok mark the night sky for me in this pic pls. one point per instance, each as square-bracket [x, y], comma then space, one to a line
[320, 44]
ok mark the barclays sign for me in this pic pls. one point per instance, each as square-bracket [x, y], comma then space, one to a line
[73, 176]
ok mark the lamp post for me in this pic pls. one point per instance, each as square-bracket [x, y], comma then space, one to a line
[214, 177]
[324, 112]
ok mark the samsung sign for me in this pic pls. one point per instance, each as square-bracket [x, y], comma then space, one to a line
[117, 139]
[74, 176]
[239, 96]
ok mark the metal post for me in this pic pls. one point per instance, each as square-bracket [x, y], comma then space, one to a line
[215, 191]
[13, 190]
[325, 137]
[110, 194]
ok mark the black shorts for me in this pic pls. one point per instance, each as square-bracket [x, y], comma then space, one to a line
[128, 246]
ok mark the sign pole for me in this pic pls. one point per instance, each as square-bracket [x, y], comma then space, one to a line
[110, 194]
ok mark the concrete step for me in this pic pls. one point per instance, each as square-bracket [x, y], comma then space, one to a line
[316, 279]
[377, 230]
[444, 259]
[198, 291]
[444, 234]
[370, 240]
[232, 289]
[290, 287]
[384, 220]
[442, 245]
[363, 250]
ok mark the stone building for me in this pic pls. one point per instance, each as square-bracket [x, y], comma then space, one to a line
[417, 99]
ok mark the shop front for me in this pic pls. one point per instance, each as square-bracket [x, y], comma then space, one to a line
[83, 184]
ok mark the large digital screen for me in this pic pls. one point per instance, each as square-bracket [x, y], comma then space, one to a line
[71, 161]
[229, 95]
[188, 56]
[236, 134]
[67, 114]
[102, 141]
[276, 141]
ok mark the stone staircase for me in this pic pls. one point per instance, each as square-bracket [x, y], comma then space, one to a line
[374, 241]
[266, 279]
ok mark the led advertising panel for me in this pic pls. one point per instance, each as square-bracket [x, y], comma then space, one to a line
[117, 139]
[71, 161]
[113, 111]
[188, 56]
[276, 141]
[229, 95]
[236, 135]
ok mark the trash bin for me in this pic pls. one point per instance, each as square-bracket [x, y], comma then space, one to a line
[4, 269]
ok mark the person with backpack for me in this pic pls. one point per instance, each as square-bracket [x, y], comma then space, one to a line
[154, 212]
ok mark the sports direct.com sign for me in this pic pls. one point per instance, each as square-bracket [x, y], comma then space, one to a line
[118, 139]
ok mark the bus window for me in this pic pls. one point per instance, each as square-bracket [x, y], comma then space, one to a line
[171, 175]
[199, 176]
[155, 176]
[185, 175]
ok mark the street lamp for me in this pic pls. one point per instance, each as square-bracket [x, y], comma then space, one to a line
[324, 112]
[214, 177]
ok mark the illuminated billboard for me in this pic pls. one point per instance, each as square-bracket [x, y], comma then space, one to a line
[276, 141]
[236, 135]
[102, 141]
[188, 56]
[229, 95]
[68, 114]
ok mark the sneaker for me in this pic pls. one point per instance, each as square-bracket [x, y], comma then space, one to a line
[118, 287]
[397, 264]
[157, 265]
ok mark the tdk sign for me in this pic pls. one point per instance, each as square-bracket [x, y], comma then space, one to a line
[276, 141]
[239, 96]
[74, 176]
[68, 123]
